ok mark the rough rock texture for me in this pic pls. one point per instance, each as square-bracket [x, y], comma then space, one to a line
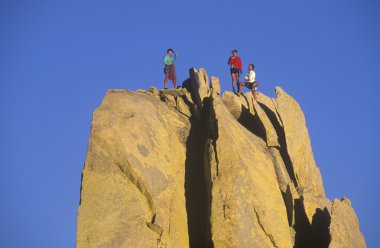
[215, 85]
[188, 168]
[270, 133]
[344, 226]
[298, 145]
[132, 189]
[243, 176]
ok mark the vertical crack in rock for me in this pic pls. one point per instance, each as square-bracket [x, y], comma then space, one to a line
[304, 233]
[127, 171]
[287, 196]
[195, 185]
[308, 216]
[213, 135]
[255, 125]
[315, 234]
[211, 127]
[250, 122]
[281, 139]
[320, 226]
[197, 177]
[262, 227]
[289, 205]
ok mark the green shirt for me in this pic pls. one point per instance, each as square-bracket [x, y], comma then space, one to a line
[169, 60]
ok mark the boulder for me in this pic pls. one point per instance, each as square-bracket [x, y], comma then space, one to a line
[132, 192]
[237, 106]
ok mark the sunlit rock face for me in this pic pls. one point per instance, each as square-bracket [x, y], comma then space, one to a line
[190, 167]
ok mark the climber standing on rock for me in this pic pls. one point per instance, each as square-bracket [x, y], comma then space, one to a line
[236, 66]
[169, 68]
[250, 82]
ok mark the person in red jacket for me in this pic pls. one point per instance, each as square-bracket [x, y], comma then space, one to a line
[236, 66]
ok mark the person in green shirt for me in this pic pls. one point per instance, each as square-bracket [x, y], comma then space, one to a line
[169, 68]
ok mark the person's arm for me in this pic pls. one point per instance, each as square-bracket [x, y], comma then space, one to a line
[172, 60]
[229, 61]
[239, 64]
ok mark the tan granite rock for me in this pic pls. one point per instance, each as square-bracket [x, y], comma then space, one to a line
[186, 168]
[271, 135]
[132, 190]
[247, 208]
[344, 227]
[215, 85]
[238, 106]
[298, 144]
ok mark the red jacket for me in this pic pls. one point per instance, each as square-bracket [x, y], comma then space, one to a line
[236, 62]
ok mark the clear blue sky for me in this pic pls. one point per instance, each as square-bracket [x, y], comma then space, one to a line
[58, 59]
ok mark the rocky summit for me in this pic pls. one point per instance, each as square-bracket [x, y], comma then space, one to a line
[188, 167]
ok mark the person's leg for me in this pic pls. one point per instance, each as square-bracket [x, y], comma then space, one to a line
[166, 81]
[254, 89]
[237, 78]
[254, 95]
[172, 76]
[240, 87]
[233, 76]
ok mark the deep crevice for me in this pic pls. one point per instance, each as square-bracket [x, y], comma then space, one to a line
[289, 205]
[282, 141]
[213, 133]
[315, 234]
[304, 233]
[254, 125]
[250, 122]
[320, 226]
[198, 176]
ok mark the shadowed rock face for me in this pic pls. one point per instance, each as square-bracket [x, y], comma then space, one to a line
[188, 168]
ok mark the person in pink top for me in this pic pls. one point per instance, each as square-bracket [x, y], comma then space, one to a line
[236, 66]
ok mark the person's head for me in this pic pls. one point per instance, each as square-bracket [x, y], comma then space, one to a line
[251, 67]
[234, 52]
[170, 51]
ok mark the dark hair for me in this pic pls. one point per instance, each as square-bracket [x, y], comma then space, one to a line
[234, 51]
[170, 50]
[253, 66]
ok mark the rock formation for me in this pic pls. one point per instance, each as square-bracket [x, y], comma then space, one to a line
[189, 168]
